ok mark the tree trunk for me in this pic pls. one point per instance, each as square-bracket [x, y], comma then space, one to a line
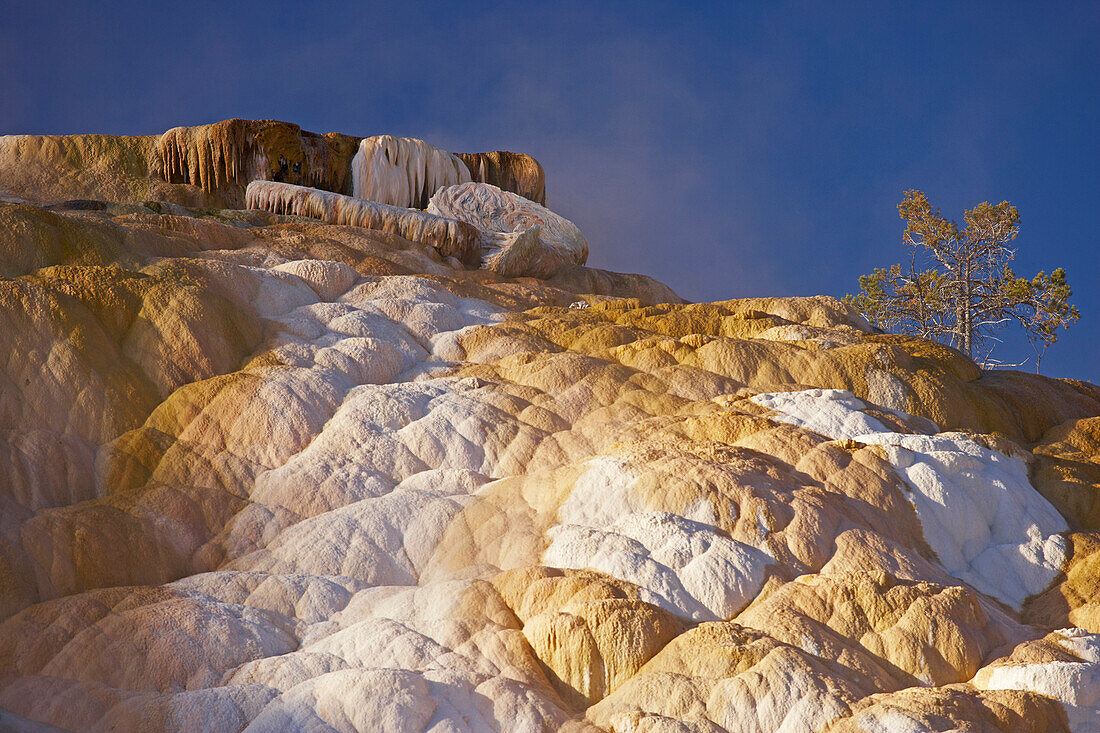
[968, 314]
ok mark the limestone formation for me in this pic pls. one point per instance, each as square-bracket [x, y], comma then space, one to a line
[209, 166]
[553, 241]
[515, 172]
[55, 168]
[267, 472]
[403, 171]
[452, 238]
[235, 152]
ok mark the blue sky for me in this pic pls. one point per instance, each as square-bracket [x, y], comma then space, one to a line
[728, 149]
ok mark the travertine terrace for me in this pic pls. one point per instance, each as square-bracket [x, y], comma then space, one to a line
[270, 472]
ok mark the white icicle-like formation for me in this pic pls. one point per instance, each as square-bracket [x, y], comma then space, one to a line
[490, 209]
[403, 171]
[451, 237]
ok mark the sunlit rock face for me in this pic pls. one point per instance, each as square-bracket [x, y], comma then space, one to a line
[210, 166]
[262, 472]
[403, 171]
[520, 237]
[516, 172]
[450, 237]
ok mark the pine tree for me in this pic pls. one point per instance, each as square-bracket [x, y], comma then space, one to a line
[970, 292]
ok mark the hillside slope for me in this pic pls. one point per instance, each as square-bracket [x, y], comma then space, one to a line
[261, 472]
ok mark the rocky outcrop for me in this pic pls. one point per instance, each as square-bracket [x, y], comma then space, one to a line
[450, 237]
[52, 168]
[553, 241]
[209, 166]
[403, 171]
[226, 156]
[515, 172]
